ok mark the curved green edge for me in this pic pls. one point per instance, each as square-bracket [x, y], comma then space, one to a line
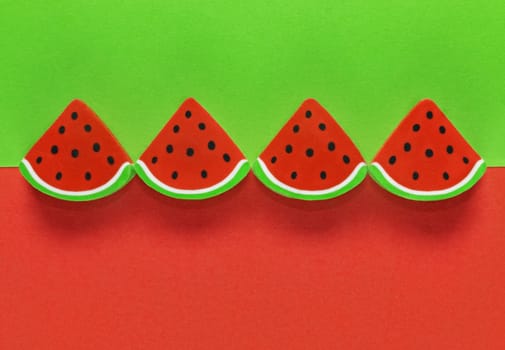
[384, 183]
[125, 177]
[260, 174]
[241, 174]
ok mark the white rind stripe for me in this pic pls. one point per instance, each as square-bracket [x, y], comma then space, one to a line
[282, 185]
[434, 192]
[223, 182]
[37, 178]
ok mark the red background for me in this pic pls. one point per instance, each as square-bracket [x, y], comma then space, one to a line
[252, 270]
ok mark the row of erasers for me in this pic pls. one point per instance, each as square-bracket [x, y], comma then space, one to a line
[311, 157]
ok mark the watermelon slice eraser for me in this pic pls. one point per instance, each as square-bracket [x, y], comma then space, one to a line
[426, 158]
[77, 158]
[192, 157]
[311, 158]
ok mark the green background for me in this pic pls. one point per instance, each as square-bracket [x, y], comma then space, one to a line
[251, 64]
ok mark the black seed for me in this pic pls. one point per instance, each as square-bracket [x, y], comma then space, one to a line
[204, 173]
[188, 114]
[54, 149]
[392, 160]
[170, 148]
[96, 147]
[346, 159]
[87, 128]
[154, 160]
[174, 175]
[289, 148]
[308, 114]
[39, 160]
[176, 129]
[441, 129]
[407, 147]
[465, 160]
[445, 175]
[331, 146]
[190, 152]
[294, 175]
[226, 157]
[201, 126]
[87, 176]
[322, 126]
[416, 127]
[450, 149]
[58, 175]
[415, 175]
[110, 160]
[273, 160]
[322, 174]
[75, 153]
[61, 130]
[429, 114]
[296, 128]
[429, 153]
[74, 115]
[211, 145]
[309, 152]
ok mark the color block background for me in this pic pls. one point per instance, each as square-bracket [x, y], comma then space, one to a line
[251, 63]
[250, 269]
